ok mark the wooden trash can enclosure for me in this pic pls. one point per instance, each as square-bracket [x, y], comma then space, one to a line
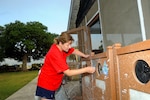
[133, 72]
[122, 73]
[101, 84]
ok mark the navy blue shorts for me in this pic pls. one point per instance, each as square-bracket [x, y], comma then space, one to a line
[43, 93]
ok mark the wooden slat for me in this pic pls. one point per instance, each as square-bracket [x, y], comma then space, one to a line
[140, 46]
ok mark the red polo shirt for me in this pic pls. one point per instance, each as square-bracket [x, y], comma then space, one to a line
[55, 64]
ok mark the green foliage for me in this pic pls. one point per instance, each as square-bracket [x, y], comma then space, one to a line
[1, 42]
[72, 57]
[9, 85]
[31, 39]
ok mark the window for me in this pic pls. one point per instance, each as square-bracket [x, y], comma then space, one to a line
[96, 37]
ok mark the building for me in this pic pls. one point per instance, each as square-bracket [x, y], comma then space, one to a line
[117, 31]
[123, 21]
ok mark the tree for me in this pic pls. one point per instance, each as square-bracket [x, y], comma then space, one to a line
[22, 41]
[1, 49]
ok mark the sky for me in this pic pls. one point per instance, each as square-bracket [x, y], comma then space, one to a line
[52, 13]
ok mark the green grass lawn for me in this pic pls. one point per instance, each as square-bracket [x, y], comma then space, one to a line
[12, 81]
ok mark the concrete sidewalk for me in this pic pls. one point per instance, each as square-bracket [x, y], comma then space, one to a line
[25, 93]
[69, 91]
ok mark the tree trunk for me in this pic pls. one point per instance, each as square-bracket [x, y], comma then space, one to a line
[24, 63]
